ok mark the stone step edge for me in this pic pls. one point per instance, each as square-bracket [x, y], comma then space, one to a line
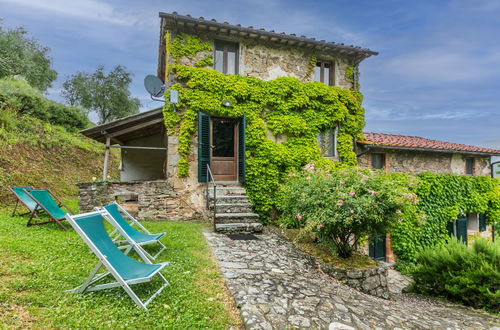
[229, 196]
[236, 215]
[233, 204]
[234, 227]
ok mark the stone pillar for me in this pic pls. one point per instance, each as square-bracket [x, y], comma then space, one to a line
[389, 254]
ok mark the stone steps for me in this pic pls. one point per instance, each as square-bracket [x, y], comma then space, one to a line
[234, 212]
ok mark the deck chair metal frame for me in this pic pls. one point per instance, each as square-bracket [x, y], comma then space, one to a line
[18, 199]
[94, 276]
[39, 207]
[117, 234]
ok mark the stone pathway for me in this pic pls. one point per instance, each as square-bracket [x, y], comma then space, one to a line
[277, 287]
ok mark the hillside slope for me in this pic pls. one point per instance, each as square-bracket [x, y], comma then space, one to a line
[36, 153]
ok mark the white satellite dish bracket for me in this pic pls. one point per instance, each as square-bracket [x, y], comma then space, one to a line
[155, 88]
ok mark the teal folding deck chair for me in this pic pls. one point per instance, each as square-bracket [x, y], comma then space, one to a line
[24, 199]
[45, 200]
[115, 211]
[125, 270]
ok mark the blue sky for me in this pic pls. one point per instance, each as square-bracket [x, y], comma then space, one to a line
[437, 74]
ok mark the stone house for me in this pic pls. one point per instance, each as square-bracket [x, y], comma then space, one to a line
[150, 184]
[150, 180]
[411, 154]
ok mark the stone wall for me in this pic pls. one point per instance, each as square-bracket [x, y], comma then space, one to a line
[152, 200]
[372, 281]
[269, 61]
[416, 162]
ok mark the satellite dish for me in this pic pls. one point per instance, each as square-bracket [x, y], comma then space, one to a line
[153, 85]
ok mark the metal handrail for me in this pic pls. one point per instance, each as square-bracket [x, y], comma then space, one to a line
[210, 178]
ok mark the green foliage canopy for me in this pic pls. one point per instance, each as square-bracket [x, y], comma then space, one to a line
[343, 206]
[24, 56]
[454, 271]
[19, 96]
[106, 94]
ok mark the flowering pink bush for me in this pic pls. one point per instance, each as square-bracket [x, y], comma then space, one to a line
[342, 206]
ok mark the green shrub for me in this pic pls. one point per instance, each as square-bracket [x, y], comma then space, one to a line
[467, 275]
[19, 95]
[343, 206]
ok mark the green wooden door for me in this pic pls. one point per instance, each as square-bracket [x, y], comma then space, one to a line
[377, 247]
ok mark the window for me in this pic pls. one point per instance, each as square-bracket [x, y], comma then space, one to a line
[469, 166]
[327, 142]
[323, 72]
[378, 161]
[226, 57]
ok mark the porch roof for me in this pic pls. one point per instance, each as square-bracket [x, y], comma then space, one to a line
[128, 128]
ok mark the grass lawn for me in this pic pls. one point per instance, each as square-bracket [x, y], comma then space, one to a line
[37, 265]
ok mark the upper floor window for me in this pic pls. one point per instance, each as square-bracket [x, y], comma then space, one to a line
[469, 166]
[323, 72]
[378, 161]
[327, 142]
[226, 57]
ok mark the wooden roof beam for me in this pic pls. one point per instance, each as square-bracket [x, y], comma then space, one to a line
[135, 127]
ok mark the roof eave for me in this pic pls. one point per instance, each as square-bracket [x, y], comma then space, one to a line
[360, 53]
[463, 152]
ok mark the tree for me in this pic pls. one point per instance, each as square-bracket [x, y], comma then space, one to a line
[107, 95]
[24, 56]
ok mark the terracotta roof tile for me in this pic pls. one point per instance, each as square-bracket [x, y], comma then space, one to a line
[403, 141]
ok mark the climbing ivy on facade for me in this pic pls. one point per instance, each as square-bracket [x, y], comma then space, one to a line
[285, 107]
[441, 198]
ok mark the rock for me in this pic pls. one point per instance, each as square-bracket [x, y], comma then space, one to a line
[339, 326]
[371, 283]
[299, 321]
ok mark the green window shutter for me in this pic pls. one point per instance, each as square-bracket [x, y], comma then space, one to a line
[450, 227]
[203, 145]
[241, 149]
[482, 222]
[462, 229]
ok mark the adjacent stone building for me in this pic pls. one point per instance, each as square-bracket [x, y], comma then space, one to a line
[412, 154]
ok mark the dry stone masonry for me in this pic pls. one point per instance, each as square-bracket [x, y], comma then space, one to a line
[153, 200]
[372, 281]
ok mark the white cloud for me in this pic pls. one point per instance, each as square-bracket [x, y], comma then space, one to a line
[445, 64]
[84, 9]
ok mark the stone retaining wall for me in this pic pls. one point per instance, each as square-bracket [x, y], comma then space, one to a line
[152, 200]
[372, 281]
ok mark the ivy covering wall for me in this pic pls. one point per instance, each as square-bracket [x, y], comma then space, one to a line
[283, 107]
[441, 198]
